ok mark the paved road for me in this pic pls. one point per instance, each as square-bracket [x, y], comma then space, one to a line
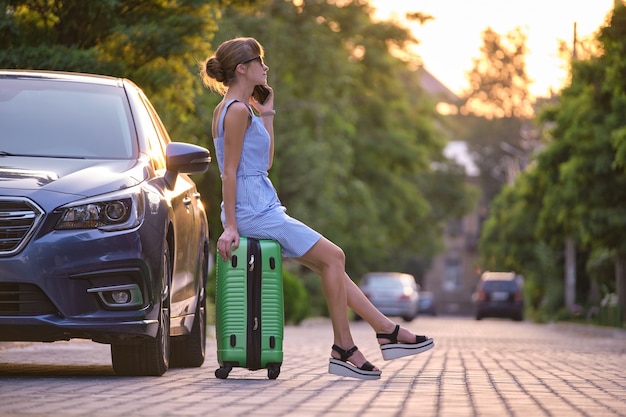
[487, 368]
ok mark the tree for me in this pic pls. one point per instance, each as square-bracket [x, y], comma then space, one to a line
[497, 110]
[152, 42]
[355, 133]
[579, 184]
[612, 38]
[589, 121]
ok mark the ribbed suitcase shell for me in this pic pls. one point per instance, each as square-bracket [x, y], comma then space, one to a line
[249, 305]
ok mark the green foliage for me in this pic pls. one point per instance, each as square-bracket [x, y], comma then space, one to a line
[313, 284]
[499, 83]
[508, 242]
[613, 39]
[296, 299]
[588, 190]
[295, 295]
[152, 42]
[577, 186]
[497, 109]
[601, 269]
[211, 285]
[355, 133]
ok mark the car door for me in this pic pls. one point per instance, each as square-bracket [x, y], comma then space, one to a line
[186, 218]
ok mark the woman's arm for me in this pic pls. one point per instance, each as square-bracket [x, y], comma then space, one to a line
[267, 113]
[268, 122]
[236, 122]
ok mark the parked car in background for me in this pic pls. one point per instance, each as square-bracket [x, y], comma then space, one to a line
[103, 235]
[393, 293]
[427, 303]
[500, 294]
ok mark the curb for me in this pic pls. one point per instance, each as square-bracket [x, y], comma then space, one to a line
[589, 330]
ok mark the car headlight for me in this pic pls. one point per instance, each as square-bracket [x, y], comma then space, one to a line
[111, 212]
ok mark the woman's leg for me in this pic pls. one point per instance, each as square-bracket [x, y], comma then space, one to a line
[362, 306]
[328, 261]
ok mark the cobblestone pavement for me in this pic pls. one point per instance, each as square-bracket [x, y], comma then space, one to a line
[477, 368]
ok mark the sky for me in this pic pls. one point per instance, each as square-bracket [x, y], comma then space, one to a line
[450, 42]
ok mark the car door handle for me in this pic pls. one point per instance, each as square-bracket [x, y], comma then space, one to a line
[187, 201]
[197, 196]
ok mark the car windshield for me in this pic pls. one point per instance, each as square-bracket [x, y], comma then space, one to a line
[384, 282]
[63, 119]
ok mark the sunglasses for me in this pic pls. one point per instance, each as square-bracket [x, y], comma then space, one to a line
[259, 57]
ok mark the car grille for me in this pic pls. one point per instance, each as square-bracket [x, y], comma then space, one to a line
[18, 219]
[23, 300]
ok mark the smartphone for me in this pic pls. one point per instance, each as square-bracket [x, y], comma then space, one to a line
[261, 93]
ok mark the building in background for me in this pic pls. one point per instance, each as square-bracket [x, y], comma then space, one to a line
[454, 273]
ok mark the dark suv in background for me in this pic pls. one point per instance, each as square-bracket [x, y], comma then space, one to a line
[500, 294]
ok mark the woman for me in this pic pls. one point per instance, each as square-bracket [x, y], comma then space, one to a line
[244, 144]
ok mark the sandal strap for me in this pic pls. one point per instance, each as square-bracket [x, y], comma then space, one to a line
[393, 337]
[345, 354]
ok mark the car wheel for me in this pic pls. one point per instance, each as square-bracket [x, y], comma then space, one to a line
[189, 350]
[149, 357]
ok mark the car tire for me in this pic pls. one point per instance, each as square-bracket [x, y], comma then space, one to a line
[189, 351]
[149, 357]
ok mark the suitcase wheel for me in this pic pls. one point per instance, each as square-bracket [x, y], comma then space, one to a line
[273, 371]
[222, 373]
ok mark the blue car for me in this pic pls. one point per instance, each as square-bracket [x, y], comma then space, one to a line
[103, 234]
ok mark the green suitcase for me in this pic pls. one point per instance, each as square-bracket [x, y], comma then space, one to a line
[249, 308]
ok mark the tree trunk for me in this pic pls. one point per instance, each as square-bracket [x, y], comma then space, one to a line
[570, 272]
[620, 282]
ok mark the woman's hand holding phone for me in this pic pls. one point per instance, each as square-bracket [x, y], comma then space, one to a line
[261, 93]
[262, 98]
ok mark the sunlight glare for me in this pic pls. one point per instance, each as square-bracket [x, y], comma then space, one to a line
[449, 42]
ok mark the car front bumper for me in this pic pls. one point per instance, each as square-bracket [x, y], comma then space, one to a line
[56, 288]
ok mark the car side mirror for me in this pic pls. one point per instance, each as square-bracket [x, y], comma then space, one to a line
[184, 158]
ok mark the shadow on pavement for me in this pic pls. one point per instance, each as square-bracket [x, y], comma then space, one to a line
[36, 370]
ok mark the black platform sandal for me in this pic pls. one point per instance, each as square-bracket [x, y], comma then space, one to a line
[394, 350]
[342, 367]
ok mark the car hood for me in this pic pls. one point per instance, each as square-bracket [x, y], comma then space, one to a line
[69, 179]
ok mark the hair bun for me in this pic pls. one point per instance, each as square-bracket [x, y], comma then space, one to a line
[214, 69]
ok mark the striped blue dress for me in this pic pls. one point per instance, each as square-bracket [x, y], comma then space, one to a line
[258, 210]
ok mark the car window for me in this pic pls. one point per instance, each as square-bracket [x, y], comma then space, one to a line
[384, 282]
[156, 134]
[499, 286]
[59, 119]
